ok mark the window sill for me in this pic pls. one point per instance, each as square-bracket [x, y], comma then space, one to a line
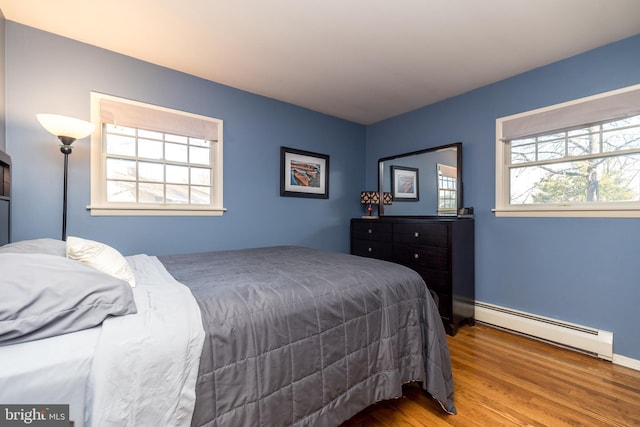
[567, 212]
[154, 211]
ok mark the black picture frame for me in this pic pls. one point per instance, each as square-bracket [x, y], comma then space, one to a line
[405, 183]
[303, 174]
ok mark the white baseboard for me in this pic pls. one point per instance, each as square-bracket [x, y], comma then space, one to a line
[626, 362]
[593, 341]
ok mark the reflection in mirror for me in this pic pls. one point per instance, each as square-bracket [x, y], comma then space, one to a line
[447, 189]
[426, 182]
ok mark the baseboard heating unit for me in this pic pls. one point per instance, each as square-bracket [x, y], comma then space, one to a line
[593, 341]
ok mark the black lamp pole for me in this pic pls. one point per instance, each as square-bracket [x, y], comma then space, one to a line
[65, 149]
[60, 126]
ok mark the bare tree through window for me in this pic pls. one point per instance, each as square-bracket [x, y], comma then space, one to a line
[599, 163]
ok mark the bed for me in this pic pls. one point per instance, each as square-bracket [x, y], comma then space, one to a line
[272, 336]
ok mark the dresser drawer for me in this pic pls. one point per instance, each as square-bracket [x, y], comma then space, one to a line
[417, 256]
[422, 234]
[436, 280]
[371, 230]
[371, 249]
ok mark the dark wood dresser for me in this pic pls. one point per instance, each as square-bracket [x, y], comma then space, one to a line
[440, 249]
[5, 198]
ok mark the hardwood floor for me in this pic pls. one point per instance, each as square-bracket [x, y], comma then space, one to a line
[502, 379]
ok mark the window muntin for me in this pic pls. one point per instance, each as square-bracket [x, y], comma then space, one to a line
[150, 160]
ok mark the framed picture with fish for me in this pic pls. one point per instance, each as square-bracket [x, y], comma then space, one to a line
[303, 174]
[404, 183]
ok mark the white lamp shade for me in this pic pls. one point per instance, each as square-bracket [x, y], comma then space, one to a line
[65, 126]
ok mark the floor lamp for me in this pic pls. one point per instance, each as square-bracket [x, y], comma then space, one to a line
[67, 129]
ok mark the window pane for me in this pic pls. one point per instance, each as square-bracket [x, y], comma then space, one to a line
[200, 176]
[523, 141]
[200, 142]
[584, 144]
[629, 121]
[177, 193]
[623, 139]
[200, 195]
[150, 149]
[610, 179]
[447, 199]
[176, 153]
[521, 152]
[151, 193]
[551, 150]
[120, 191]
[150, 171]
[177, 174]
[122, 145]
[177, 138]
[120, 129]
[199, 155]
[550, 137]
[121, 169]
[149, 134]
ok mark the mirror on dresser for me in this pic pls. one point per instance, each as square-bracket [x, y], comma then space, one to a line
[422, 183]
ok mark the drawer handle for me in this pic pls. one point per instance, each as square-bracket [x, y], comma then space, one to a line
[416, 234]
[416, 256]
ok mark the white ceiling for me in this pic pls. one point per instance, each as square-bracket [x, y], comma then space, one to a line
[361, 60]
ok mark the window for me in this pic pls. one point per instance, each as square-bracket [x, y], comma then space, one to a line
[149, 160]
[447, 190]
[575, 159]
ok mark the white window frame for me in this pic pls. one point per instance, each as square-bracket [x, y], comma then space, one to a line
[611, 105]
[101, 207]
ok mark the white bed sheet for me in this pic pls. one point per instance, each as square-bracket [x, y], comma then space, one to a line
[49, 371]
[136, 370]
[146, 365]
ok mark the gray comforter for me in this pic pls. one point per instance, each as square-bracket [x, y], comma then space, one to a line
[296, 336]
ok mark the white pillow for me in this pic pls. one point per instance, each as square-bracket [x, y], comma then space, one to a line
[101, 257]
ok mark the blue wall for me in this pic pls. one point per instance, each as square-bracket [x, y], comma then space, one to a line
[584, 271]
[50, 74]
